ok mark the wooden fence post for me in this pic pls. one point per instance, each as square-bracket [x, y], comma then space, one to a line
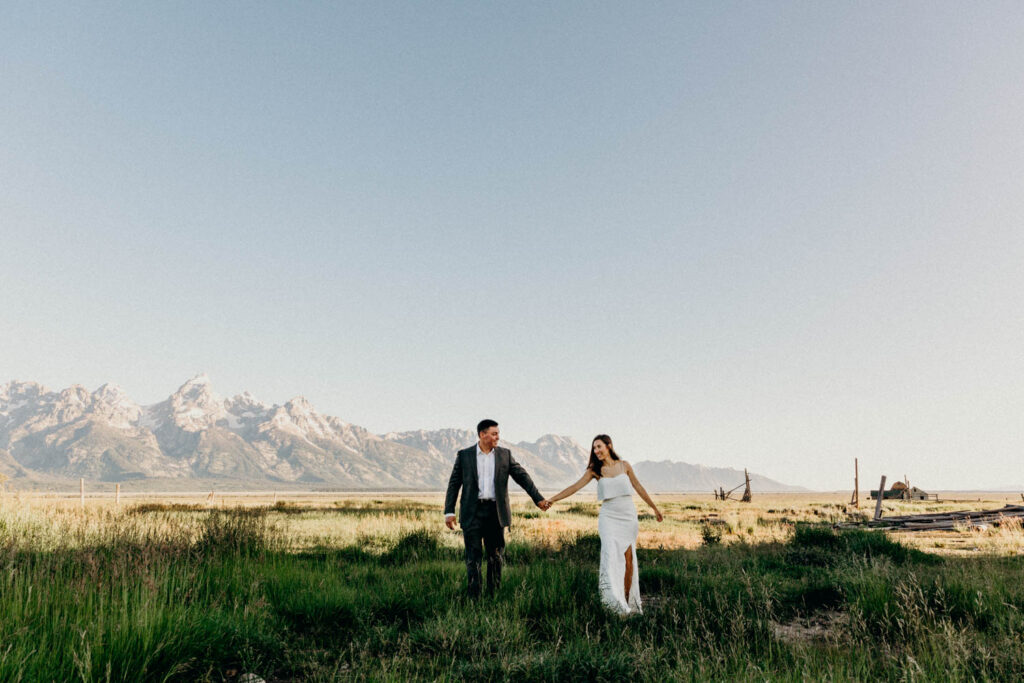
[855, 498]
[881, 494]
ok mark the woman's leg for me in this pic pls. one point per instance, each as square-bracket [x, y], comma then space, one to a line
[628, 579]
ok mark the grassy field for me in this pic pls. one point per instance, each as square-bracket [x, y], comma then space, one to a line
[326, 588]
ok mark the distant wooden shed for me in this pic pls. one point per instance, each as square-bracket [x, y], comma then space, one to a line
[901, 491]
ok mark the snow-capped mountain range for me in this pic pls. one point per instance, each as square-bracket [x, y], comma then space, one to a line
[195, 434]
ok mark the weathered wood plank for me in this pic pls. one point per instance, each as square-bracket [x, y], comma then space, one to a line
[943, 520]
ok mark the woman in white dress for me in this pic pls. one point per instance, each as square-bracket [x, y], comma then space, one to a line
[616, 524]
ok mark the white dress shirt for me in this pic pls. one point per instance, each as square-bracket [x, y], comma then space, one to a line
[485, 473]
[484, 476]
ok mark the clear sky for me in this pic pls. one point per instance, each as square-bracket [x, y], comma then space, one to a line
[773, 235]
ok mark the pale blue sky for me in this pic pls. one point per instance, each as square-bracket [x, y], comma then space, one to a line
[773, 235]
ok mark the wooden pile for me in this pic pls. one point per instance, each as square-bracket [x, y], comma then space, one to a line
[951, 520]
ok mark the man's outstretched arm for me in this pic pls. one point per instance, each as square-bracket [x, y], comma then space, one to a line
[521, 477]
[454, 484]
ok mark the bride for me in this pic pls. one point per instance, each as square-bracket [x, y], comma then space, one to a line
[617, 523]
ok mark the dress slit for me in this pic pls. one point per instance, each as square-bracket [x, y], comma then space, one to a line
[618, 527]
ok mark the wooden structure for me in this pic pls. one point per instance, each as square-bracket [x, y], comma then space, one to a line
[878, 501]
[900, 491]
[855, 498]
[948, 520]
[722, 494]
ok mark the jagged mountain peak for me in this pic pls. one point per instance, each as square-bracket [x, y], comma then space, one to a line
[246, 403]
[193, 407]
[195, 389]
[298, 416]
[17, 388]
[16, 394]
[299, 406]
[112, 403]
[111, 393]
[75, 393]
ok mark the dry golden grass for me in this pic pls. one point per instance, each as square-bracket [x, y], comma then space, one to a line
[374, 520]
[1007, 539]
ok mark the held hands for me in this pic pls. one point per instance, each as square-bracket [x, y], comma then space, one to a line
[545, 505]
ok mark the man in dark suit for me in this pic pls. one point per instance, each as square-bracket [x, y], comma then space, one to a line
[482, 472]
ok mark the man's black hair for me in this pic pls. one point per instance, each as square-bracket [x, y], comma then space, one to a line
[485, 425]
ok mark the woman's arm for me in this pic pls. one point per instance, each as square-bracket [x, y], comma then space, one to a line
[587, 476]
[642, 491]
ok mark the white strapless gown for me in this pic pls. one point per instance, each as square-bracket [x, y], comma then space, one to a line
[618, 527]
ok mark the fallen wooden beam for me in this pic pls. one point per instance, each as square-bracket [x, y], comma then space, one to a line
[944, 520]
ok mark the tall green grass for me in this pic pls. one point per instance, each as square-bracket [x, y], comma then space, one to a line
[219, 593]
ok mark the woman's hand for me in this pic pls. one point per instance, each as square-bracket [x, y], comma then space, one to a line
[657, 515]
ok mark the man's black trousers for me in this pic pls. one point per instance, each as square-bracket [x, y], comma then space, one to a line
[484, 527]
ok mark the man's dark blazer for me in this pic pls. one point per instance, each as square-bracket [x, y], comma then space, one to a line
[464, 476]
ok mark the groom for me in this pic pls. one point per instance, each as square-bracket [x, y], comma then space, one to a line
[482, 472]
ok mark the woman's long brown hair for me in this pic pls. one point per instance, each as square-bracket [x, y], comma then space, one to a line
[595, 464]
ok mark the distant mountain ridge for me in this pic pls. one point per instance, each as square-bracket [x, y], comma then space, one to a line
[195, 434]
[667, 476]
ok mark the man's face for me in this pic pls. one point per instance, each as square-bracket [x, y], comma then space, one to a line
[489, 438]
